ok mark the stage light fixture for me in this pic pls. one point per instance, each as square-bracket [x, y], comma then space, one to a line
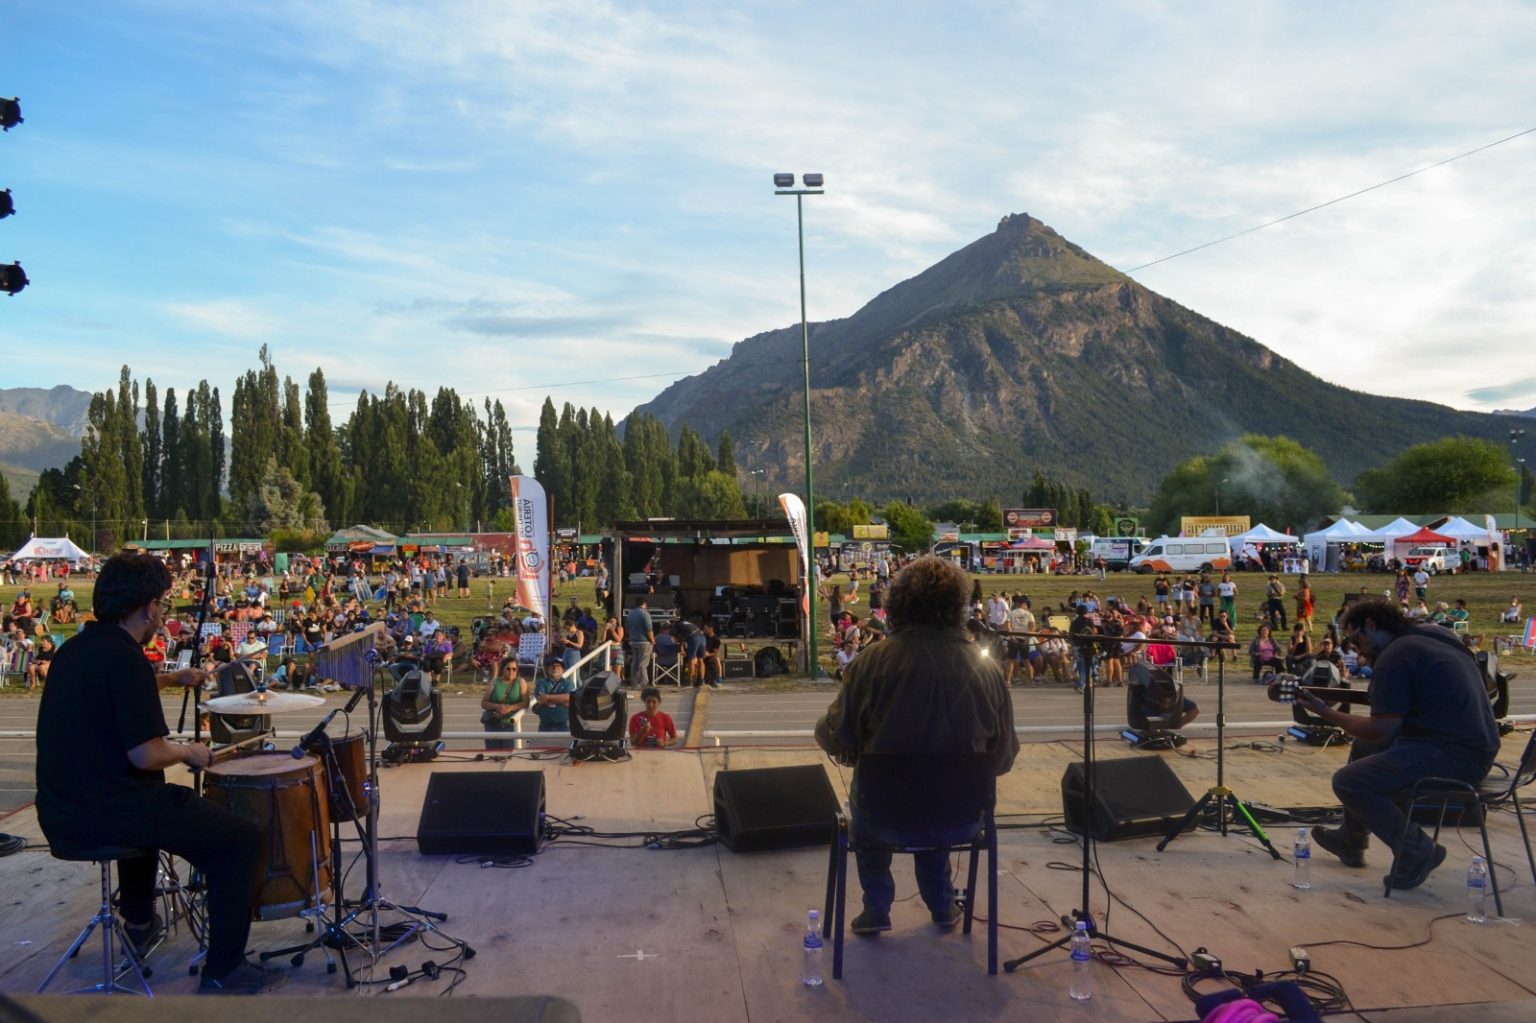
[1154, 706]
[7, 207]
[12, 278]
[413, 717]
[599, 719]
[10, 113]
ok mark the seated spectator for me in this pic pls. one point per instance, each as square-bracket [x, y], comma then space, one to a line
[42, 657]
[1512, 613]
[652, 728]
[1300, 654]
[1265, 652]
[668, 649]
[1459, 613]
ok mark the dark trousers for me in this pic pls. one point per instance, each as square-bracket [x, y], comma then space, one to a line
[1367, 783]
[501, 726]
[222, 846]
[1274, 610]
[934, 880]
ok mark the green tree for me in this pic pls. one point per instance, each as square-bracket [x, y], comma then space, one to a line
[911, 530]
[152, 450]
[325, 467]
[725, 454]
[1270, 479]
[712, 495]
[281, 502]
[1456, 474]
[13, 527]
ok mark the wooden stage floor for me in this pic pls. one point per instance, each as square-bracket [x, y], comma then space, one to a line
[705, 934]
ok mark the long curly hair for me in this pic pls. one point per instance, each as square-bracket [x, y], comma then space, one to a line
[931, 591]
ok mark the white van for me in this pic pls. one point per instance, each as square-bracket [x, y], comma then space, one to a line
[1117, 551]
[1207, 553]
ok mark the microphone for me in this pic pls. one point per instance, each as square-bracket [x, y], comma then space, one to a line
[352, 703]
[314, 733]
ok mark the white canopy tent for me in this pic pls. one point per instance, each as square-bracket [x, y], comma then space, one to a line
[50, 549]
[1459, 528]
[1323, 546]
[1391, 531]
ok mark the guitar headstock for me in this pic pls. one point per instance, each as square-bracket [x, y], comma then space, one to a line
[1284, 688]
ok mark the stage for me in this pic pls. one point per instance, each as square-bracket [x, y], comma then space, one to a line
[707, 934]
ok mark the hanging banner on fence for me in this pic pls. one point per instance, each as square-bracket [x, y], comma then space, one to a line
[872, 531]
[530, 511]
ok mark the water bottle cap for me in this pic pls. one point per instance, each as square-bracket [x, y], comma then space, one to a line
[814, 915]
[1082, 925]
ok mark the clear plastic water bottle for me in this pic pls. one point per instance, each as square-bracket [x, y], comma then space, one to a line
[1477, 891]
[1081, 985]
[1303, 856]
[810, 974]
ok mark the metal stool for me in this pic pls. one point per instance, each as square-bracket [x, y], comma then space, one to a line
[106, 919]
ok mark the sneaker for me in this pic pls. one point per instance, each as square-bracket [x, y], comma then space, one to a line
[870, 922]
[715, 683]
[1417, 874]
[947, 917]
[142, 938]
[1337, 842]
[245, 979]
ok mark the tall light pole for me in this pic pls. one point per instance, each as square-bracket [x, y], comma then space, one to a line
[784, 184]
[1514, 439]
[92, 541]
[1223, 483]
[758, 476]
[463, 504]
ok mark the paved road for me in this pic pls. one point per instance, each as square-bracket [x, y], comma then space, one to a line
[1048, 712]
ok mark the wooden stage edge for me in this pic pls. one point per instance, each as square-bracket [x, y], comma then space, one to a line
[624, 932]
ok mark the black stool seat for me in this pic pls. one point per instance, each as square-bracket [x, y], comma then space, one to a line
[97, 853]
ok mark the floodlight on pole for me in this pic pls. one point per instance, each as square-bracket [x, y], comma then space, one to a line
[12, 278]
[1514, 439]
[10, 113]
[7, 204]
[784, 185]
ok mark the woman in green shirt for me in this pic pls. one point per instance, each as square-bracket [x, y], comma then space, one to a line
[506, 696]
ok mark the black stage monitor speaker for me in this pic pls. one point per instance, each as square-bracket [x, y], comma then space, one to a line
[1132, 797]
[774, 808]
[490, 813]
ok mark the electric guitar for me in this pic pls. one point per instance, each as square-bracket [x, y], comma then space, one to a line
[1285, 687]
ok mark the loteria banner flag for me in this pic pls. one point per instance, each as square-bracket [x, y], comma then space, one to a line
[794, 511]
[531, 512]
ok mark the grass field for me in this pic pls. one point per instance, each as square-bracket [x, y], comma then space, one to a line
[1487, 594]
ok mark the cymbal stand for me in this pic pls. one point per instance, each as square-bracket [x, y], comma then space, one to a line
[373, 904]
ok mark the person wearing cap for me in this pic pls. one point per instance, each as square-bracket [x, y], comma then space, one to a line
[552, 695]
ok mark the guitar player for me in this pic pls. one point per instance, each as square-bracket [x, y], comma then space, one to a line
[1429, 717]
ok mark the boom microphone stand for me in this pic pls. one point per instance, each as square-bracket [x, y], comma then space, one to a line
[1085, 646]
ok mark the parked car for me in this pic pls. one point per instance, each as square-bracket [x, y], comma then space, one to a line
[1431, 559]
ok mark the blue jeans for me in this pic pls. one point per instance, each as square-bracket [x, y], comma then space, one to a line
[934, 880]
[1366, 786]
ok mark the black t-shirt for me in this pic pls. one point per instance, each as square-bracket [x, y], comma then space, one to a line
[1428, 676]
[100, 702]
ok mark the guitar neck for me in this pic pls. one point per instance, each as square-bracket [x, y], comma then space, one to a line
[1357, 696]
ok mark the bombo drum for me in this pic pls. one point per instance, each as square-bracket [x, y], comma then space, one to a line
[352, 758]
[286, 798]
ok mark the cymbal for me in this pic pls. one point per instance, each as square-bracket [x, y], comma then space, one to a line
[267, 702]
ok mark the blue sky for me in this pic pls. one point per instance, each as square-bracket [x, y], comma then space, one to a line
[521, 199]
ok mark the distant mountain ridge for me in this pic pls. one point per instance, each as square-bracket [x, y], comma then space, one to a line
[40, 428]
[1019, 352]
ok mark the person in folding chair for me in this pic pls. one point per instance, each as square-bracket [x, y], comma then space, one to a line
[102, 751]
[1430, 718]
[924, 690]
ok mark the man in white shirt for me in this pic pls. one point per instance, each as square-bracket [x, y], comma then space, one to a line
[1020, 619]
[997, 612]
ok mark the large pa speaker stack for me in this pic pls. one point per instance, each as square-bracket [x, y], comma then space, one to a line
[774, 808]
[1133, 797]
[484, 813]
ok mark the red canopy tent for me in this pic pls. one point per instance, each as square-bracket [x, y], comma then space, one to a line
[1425, 537]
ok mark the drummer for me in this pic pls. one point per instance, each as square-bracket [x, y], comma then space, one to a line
[101, 757]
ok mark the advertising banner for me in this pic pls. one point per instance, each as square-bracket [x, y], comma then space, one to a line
[1231, 525]
[1029, 518]
[530, 509]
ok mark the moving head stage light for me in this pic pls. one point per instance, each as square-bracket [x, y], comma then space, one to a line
[599, 720]
[1309, 728]
[413, 717]
[1154, 706]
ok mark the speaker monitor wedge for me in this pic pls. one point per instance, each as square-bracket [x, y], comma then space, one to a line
[774, 808]
[1133, 797]
[488, 813]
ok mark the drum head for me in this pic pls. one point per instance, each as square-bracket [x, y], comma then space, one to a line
[265, 765]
